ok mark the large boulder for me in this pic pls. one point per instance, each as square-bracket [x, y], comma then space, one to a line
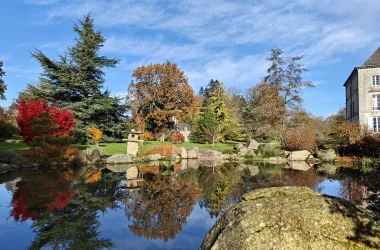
[211, 154]
[183, 153]
[302, 155]
[94, 157]
[252, 144]
[193, 153]
[13, 158]
[238, 146]
[327, 155]
[294, 218]
[120, 159]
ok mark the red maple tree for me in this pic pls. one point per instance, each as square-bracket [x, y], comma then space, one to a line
[58, 122]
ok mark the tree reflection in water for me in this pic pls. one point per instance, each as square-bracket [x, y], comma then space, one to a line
[70, 223]
[216, 184]
[160, 208]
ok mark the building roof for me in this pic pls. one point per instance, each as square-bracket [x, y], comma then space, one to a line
[373, 60]
[181, 126]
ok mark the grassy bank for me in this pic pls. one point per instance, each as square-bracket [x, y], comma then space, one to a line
[121, 148]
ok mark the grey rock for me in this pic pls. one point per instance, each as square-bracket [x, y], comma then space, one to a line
[246, 151]
[275, 160]
[252, 144]
[193, 163]
[211, 154]
[294, 218]
[120, 159]
[327, 155]
[54, 163]
[253, 170]
[95, 156]
[183, 153]
[210, 162]
[302, 155]
[327, 168]
[82, 157]
[193, 153]
[299, 165]
[238, 146]
[35, 164]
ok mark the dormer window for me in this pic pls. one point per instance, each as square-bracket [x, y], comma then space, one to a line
[376, 80]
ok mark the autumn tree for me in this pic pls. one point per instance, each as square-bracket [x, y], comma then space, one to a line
[95, 134]
[285, 75]
[158, 93]
[263, 112]
[3, 86]
[75, 81]
[160, 209]
[36, 117]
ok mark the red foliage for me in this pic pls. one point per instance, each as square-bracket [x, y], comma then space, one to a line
[32, 110]
[178, 137]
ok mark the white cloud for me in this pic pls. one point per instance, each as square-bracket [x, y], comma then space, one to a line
[4, 57]
[217, 38]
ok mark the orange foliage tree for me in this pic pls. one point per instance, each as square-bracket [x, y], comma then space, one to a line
[95, 134]
[159, 92]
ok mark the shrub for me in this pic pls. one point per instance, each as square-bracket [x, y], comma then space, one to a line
[148, 136]
[301, 140]
[178, 137]
[95, 134]
[267, 152]
[36, 117]
[44, 156]
[50, 140]
[164, 150]
[230, 151]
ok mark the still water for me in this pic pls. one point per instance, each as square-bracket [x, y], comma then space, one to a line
[145, 207]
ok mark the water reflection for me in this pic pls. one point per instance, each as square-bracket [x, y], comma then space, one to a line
[155, 201]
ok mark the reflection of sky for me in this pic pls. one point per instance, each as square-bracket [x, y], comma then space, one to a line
[13, 235]
[330, 187]
[17, 235]
[115, 226]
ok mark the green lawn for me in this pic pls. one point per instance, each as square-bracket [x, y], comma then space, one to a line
[13, 144]
[121, 148]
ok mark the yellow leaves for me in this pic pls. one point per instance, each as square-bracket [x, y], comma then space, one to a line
[92, 178]
[95, 134]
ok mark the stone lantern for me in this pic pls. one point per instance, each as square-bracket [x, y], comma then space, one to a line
[133, 141]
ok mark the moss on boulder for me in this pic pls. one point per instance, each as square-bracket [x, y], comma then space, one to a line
[294, 218]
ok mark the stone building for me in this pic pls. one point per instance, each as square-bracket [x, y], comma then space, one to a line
[363, 93]
[183, 128]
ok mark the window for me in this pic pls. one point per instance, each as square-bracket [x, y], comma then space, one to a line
[376, 102]
[376, 124]
[376, 80]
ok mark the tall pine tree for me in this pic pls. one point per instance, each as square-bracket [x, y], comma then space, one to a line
[3, 87]
[75, 82]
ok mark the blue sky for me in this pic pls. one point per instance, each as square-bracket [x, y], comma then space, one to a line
[219, 39]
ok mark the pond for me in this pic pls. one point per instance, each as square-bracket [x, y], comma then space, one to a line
[146, 207]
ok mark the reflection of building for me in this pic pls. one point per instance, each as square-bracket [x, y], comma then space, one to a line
[134, 178]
